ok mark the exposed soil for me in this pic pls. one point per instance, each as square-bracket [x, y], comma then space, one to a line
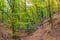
[42, 33]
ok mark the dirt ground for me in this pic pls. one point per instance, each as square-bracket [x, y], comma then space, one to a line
[42, 33]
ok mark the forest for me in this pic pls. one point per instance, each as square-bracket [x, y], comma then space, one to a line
[26, 15]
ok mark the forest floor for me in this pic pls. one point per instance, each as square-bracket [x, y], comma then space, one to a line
[42, 33]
